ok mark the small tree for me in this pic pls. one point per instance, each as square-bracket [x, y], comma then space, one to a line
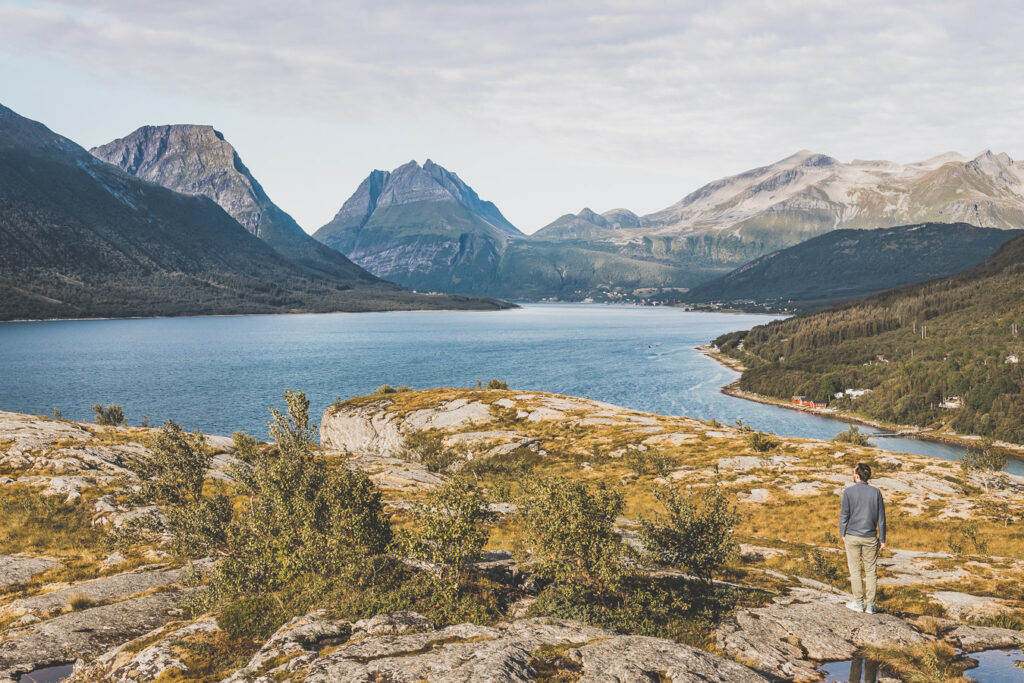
[695, 532]
[570, 528]
[760, 442]
[175, 472]
[303, 517]
[109, 416]
[497, 384]
[986, 461]
[852, 436]
[450, 530]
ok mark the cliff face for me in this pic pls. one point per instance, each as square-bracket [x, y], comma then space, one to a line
[197, 160]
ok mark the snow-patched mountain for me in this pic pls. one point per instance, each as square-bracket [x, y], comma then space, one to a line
[197, 160]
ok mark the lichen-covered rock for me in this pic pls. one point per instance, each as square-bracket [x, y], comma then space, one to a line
[639, 659]
[788, 637]
[95, 590]
[15, 570]
[125, 664]
[84, 634]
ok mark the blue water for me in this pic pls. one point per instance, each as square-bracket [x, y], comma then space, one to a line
[994, 666]
[220, 374]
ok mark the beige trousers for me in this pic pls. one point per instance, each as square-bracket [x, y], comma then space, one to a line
[862, 556]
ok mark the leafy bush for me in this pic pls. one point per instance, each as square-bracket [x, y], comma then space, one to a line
[986, 461]
[245, 447]
[570, 528]
[252, 618]
[450, 530]
[696, 532]
[760, 442]
[649, 462]
[497, 384]
[427, 446]
[109, 416]
[175, 472]
[303, 517]
[388, 389]
[852, 436]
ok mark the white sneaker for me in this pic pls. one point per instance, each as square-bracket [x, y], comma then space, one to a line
[870, 609]
[855, 606]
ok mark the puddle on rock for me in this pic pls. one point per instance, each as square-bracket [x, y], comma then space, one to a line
[47, 674]
[859, 669]
[994, 666]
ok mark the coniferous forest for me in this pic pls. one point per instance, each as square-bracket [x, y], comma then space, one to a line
[939, 354]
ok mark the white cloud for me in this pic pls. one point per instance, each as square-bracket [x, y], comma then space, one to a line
[682, 91]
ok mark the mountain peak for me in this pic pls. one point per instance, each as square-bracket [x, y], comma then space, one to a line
[196, 159]
[411, 184]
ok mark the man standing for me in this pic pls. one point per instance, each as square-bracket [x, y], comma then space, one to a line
[862, 528]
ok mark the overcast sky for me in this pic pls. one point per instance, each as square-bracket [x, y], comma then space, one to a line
[543, 106]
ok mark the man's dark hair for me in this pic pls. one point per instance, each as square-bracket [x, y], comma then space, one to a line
[863, 471]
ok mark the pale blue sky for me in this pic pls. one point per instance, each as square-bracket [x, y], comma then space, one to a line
[543, 106]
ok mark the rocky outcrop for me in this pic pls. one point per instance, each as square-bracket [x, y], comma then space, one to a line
[405, 647]
[15, 570]
[99, 590]
[83, 634]
[789, 637]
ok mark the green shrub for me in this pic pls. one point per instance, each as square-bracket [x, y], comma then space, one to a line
[252, 618]
[760, 442]
[570, 528]
[175, 472]
[109, 416]
[303, 517]
[988, 462]
[427, 446]
[696, 531]
[852, 436]
[649, 462]
[450, 530]
[245, 447]
[497, 384]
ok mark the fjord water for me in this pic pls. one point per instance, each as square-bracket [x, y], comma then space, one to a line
[220, 374]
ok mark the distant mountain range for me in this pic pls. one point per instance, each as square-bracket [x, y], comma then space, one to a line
[425, 228]
[81, 238]
[847, 264]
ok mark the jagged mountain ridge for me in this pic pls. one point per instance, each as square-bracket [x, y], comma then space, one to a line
[846, 264]
[197, 160]
[82, 238]
[808, 193]
[397, 229]
[423, 227]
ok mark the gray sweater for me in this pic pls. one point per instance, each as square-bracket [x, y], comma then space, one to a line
[862, 512]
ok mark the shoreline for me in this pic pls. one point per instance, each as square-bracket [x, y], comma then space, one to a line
[899, 431]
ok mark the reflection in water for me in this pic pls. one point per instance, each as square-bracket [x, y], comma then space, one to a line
[865, 670]
[857, 670]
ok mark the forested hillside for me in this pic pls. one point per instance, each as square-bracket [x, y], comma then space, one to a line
[849, 264]
[955, 342]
